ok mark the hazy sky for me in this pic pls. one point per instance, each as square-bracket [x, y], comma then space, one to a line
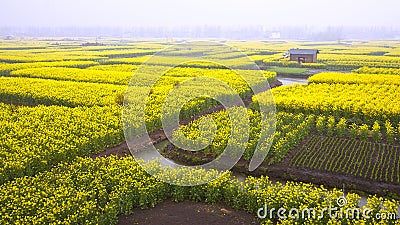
[204, 12]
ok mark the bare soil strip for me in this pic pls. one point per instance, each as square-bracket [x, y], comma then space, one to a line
[177, 213]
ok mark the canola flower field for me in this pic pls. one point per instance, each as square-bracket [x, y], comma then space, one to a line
[62, 102]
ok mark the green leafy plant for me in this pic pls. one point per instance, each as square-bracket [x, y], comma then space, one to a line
[320, 124]
[353, 130]
[364, 129]
[376, 131]
[390, 133]
[341, 127]
[331, 126]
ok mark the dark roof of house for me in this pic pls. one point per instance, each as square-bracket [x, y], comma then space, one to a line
[303, 51]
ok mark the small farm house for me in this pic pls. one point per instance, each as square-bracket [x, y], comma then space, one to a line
[303, 55]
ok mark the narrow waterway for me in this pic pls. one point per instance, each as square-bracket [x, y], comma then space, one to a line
[289, 80]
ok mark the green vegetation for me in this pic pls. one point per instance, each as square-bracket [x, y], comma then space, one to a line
[359, 158]
[288, 70]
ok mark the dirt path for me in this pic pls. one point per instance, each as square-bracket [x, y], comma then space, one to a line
[181, 213]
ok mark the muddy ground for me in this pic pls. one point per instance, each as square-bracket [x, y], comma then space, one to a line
[173, 213]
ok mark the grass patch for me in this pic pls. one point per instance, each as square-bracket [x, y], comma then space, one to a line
[288, 70]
